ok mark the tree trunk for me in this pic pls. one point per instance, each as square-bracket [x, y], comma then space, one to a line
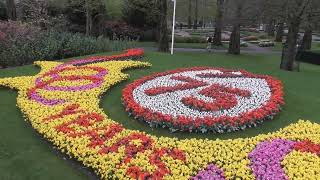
[88, 23]
[189, 15]
[288, 61]
[279, 36]
[219, 23]
[234, 45]
[163, 29]
[307, 40]
[195, 23]
[270, 28]
[11, 10]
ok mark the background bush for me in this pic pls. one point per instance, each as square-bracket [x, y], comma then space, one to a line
[23, 44]
[190, 39]
[251, 38]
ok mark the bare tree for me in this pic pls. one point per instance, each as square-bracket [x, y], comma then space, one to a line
[189, 14]
[234, 45]
[237, 14]
[281, 18]
[270, 27]
[310, 21]
[196, 11]
[219, 23]
[89, 21]
[295, 11]
[163, 29]
[94, 10]
[307, 36]
[279, 32]
[273, 14]
[11, 10]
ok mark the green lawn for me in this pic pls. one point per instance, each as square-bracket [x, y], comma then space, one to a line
[23, 155]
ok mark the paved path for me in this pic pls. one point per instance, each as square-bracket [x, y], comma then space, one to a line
[248, 50]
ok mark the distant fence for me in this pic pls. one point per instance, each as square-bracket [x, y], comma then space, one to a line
[309, 57]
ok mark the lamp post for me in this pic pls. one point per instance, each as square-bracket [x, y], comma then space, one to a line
[173, 24]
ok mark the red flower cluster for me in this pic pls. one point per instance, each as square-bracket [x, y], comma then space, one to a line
[190, 84]
[130, 54]
[155, 159]
[307, 146]
[98, 137]
[224, 99]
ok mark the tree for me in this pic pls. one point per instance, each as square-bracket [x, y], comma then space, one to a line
[273, 14]
[217, 40]
[11, 10]
[163, 28]
[196, 10]
[35, 12]
[114, 8]
[3, 11]
[307, 36]
[234, 45]
[143, 14]
[281, 18]
[94, 15]
[309, 23]
[279, 32]
[93, 11]
[296, 10]
[189, 14]
[270, 27]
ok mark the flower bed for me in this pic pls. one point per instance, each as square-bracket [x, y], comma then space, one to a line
[68, 115]
[204, 99]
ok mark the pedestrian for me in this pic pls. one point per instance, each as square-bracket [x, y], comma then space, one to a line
[209, 43]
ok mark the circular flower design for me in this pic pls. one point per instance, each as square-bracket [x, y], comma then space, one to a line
[204, 99]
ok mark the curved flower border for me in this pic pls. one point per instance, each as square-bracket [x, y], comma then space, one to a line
[79, 128]
[212, 124]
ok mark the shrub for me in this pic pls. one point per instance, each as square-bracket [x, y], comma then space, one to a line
[180, 39]
[251, 38]
[263, 36]
[121, 30]
[266, 44]
[22, 44]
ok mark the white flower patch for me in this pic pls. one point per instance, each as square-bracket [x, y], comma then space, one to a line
[170, 103]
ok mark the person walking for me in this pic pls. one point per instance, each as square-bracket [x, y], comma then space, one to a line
[209, 43]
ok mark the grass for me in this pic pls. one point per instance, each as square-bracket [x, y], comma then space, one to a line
[23, 155]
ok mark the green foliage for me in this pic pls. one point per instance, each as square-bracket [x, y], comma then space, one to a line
[3, 10]
[56, 45]
[193, 39]
[207, 10]
[114, 8]
[141, 13]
